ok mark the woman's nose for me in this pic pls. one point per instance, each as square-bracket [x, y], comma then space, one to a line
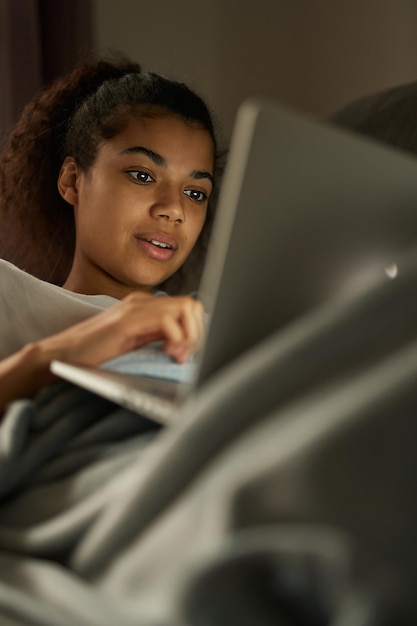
[168, 205]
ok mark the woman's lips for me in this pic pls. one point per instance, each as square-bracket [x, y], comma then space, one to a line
[158, 246]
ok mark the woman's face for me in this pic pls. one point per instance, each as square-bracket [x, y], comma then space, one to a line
[140, 208]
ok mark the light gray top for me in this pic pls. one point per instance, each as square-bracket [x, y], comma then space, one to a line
[31, 309]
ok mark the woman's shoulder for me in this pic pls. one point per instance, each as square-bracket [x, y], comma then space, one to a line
[31, 308]
[10, 275]
[8, 269]
[14, 278]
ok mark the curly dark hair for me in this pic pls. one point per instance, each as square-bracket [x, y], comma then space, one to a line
[73, 116]
[37, 225]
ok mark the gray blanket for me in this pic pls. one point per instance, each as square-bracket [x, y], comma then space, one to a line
[285, 496]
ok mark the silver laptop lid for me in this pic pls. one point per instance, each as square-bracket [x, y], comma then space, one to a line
[306, 211]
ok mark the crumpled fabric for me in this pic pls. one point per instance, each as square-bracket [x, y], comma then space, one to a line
[284, 495]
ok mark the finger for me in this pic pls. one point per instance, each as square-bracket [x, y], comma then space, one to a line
[172, 330]
[178, 352]
[202, 326]
[193, 323]
[178, 344]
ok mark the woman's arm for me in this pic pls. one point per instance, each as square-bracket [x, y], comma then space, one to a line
[137, 320]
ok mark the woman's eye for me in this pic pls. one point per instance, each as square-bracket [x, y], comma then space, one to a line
[197, 196]
[141, 177]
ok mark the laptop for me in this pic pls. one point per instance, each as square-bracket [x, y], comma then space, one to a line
[306, 211]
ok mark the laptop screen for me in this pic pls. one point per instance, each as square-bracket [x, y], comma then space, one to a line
[307, 212]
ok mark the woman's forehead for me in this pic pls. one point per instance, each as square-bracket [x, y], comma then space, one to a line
[166, 134]
[173, 140]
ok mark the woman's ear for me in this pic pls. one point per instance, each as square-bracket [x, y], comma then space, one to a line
[68, 181]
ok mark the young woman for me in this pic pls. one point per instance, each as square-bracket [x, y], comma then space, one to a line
[119, 177]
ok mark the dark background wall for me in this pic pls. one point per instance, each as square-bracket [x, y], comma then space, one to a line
[39, 41]
[315, 55]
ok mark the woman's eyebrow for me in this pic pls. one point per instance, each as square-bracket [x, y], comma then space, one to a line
[158, 159]
[196, 174]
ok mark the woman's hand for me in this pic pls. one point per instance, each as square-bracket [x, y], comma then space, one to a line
[137, 320]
